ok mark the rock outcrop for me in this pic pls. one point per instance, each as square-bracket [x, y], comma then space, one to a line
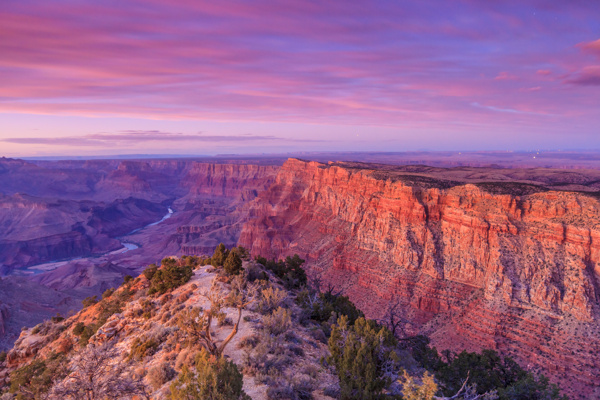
[472, 265]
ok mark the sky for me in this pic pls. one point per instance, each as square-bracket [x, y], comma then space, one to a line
[193, 77]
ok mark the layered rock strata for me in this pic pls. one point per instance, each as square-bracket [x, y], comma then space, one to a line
[470, 266]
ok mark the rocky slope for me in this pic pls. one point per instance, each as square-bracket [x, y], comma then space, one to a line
[473, 263]
[145, 332]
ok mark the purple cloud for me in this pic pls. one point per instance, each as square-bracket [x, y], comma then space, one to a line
[587, 76]
[415, 65]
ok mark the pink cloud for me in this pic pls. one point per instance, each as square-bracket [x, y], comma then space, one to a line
[383, 64]
[591, 47]
[503, 76]
[588, 76]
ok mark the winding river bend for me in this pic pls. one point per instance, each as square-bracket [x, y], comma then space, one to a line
[127, 246]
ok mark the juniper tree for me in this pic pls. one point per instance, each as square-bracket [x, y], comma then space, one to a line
[360, 353]
[233, 264]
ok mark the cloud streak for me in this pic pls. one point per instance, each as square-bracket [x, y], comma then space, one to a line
[142, 137]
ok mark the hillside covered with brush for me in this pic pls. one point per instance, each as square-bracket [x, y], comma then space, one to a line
[231, 327]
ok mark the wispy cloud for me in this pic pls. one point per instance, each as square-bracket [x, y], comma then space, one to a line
[591, 47]
[507, 110]
[504, 76]
[133, 136]
[588, 76]
[409, 64]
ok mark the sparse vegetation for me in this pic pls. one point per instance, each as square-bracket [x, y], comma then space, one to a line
[161, 374]
[269, 299]
[169, 277]
[211, 378]
[197, 322]
[187, 330]
[89, 301]
[93, 375]
[289, 271]
[360, 353]
[34, 380]
[278, 322]
[141, 348]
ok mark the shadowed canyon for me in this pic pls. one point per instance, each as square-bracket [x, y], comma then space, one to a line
[474, 256]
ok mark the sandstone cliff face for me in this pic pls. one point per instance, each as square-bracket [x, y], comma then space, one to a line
[230, 180]
[218, 199]
[470, 268]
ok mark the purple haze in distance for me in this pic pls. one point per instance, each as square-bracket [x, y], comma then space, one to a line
[196, 77]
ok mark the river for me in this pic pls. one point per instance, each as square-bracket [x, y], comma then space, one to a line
[127, 246]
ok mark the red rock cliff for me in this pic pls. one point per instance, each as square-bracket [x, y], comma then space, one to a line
[228, 180]
[470, 268]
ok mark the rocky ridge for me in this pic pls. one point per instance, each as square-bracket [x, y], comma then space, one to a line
[145, 332]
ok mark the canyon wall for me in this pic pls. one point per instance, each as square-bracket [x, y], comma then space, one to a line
[80, 212]
[471, 265]
[219, 196]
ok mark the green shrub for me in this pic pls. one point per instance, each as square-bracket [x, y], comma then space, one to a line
[169, 277]
[289, 271]
[78, 328]
[169, 262]
[191, 261]
[36, 329]
[278, 322]
[150, 271]
[86, 334]
[233, 264]
[211, 379]
[359, 353]
[57, 318]
[89, 301]
[35, 379]
[487, 370]
[242, 252]
[142, 348]
[219, 256]
[328, 306]
[127, 278]
[2, 356]
[107, 293]
[531, 387]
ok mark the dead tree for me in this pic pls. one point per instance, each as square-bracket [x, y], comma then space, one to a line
[427, 389]
[97, 373]
[197, 322]
[393, 319]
